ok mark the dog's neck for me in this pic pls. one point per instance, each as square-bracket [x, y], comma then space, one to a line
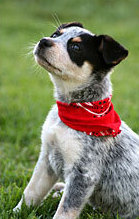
[91, 91]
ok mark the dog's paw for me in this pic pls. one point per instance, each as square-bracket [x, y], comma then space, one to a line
[18, 207]
[59, 188]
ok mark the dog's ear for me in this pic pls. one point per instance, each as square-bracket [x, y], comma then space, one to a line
[113, 53]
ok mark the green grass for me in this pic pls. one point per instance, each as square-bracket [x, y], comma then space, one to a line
[26, 93]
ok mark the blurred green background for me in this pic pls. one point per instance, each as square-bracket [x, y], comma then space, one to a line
[26, 93]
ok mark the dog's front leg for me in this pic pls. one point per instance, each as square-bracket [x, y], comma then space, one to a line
[77, 191]
[41, 182]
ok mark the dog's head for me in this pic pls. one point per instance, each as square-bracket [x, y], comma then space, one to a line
[74, 53]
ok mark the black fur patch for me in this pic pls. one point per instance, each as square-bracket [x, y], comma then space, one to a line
[89, 51]
[101, 51]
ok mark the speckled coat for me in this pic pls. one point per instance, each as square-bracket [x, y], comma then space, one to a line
[103, 171]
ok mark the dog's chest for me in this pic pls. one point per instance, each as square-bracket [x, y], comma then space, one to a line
[61, 143]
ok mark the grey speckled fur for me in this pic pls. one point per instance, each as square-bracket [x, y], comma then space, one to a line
[101, 170]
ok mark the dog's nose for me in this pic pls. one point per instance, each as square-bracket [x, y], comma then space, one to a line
[45, 43]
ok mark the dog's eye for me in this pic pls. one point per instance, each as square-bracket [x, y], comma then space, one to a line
[54, 35]
[57, 34]
[75, 47]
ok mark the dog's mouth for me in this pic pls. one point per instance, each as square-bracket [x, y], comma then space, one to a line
[43, 61]
[49, 65]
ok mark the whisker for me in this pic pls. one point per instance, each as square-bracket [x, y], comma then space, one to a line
[30, 48]
[54, 25]
[56, 20]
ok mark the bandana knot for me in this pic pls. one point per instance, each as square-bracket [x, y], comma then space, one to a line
[94, 118]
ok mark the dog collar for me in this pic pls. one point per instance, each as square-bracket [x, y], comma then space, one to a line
[94, 118]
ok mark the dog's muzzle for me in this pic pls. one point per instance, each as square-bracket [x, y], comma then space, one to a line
[40, 51]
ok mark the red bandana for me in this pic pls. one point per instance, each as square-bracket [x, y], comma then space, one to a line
[94, 118]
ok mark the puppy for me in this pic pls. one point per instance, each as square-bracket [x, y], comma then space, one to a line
[84, 142]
